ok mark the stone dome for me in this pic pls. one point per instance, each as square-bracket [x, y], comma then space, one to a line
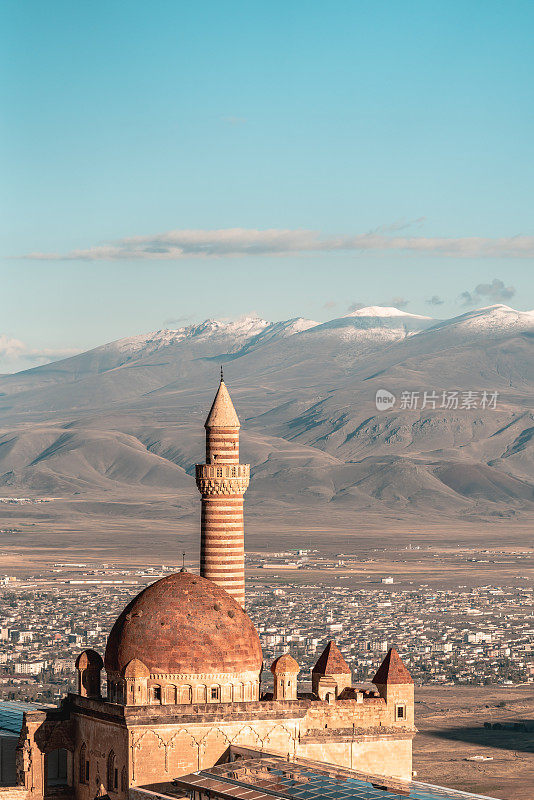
[184, 624]
[285, 664]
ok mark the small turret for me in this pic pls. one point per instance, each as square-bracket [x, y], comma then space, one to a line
[285, 670]
[89, 666]
[395, 685]
[136, 675]
[331, 674]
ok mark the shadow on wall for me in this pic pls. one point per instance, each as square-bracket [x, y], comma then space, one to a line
[507, 735]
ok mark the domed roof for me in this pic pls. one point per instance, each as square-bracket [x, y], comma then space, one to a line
[184, 624]
[285, 663]
[136, 669]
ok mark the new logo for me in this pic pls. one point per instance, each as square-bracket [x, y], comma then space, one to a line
[384, 400]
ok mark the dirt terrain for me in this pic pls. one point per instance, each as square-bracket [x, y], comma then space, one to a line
[148, 530]
[451, 721]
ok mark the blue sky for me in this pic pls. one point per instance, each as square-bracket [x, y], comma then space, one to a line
[360, 152]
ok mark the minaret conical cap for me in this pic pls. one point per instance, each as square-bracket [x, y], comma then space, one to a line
[223, 413]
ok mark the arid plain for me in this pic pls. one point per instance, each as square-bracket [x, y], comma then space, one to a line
[453, 748]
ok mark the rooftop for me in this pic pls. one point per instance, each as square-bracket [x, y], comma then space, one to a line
[331, 662]
[12, 711]
[262, 778]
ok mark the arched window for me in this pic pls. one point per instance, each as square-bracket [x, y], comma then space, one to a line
[215, 694]
[172, 694]
[124, 780]
[155, 694]
[83, 765]
[201, 694]
[112, 773]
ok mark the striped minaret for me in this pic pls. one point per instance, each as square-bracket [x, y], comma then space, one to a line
[222, 482]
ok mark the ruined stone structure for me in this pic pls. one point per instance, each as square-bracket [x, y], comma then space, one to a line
[183, 664]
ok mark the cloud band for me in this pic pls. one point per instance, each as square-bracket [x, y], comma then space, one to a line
[240, 242]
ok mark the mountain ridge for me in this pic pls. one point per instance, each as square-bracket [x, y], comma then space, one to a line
[125, 419]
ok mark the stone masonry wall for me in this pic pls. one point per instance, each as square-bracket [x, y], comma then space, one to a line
[100, 737]
[376, 755]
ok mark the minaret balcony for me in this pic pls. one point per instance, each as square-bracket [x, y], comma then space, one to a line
[221, 479]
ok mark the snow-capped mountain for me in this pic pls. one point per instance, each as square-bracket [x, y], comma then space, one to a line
[489, 322]
[239, 332]
[251, 330]
[381, 312]
[127, 416]
[299, 341]
[380, 323]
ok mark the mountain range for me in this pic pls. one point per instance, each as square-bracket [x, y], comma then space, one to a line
[124, 420]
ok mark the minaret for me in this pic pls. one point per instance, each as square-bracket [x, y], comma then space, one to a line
[222, 482]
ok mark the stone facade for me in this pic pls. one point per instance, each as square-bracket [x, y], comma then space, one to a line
[117, 747]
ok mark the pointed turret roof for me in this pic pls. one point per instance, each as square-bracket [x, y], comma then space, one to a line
[285, 663]
[331, 662]
[392, 670]
[222, 414]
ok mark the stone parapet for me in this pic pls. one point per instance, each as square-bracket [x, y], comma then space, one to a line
[357, 734]
[222, 479]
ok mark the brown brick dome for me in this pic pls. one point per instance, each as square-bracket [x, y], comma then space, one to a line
[184, 624]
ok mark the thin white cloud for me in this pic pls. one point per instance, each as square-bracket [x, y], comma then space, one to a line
[48, 354]
[236, 242]
[16, 355]
[10, 347]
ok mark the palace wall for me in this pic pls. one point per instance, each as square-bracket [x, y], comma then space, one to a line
[377, 754]
[96, 740]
